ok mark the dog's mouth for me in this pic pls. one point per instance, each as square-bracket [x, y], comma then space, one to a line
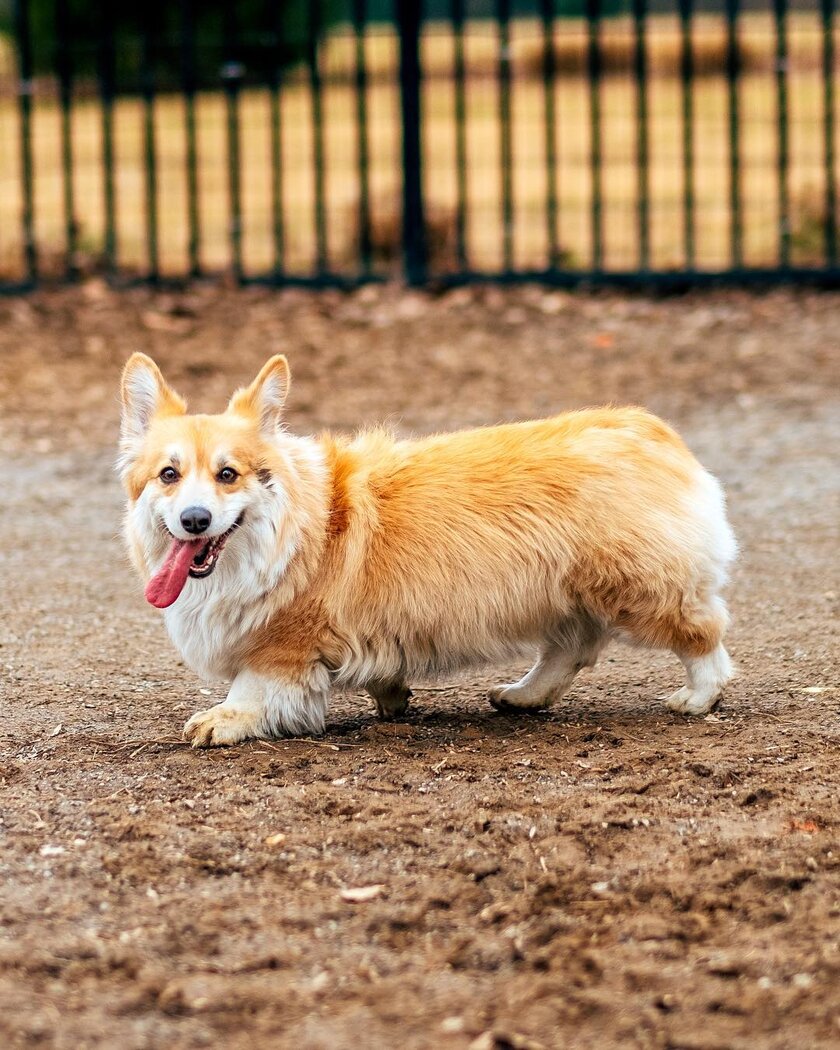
[196, 558]
[204, 562]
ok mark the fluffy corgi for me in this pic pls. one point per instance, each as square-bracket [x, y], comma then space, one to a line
[290, 565]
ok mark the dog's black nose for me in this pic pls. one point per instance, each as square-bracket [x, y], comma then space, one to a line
[196, 519]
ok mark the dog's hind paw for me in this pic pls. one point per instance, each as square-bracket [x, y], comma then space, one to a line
[688, 701]
[512, 700]
[220, 726]
[391, 699]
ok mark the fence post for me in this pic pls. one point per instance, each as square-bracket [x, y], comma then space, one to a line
[25, 87]
[107, 88]
[592, 11]
[231, 74]
[414, 223]
[827, 10]
[188, 87]
[64, 69]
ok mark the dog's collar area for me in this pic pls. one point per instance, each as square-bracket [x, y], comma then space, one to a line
[204, 561]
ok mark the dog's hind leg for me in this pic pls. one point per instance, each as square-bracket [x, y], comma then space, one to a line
[707, 675]
[391, 698]
[695, 634]
[575, 647]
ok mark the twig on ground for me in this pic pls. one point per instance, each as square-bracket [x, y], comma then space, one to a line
[308, 740]
[124, 745]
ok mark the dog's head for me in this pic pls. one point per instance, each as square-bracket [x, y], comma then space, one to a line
[195, 481]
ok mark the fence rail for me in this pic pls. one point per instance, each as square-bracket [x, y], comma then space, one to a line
[342, 141]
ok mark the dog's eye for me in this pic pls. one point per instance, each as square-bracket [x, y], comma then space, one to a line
[227, 475]
[169, 475]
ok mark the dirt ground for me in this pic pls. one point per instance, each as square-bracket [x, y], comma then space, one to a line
[605, 875]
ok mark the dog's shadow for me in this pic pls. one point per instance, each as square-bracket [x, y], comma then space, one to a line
[427, 728]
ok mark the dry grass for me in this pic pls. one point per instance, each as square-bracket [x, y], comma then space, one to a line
[809, 217]
[385, 243]
[484, 220]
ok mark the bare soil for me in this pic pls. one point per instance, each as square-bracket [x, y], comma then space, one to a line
[605, 875]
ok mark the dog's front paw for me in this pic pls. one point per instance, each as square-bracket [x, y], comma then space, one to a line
[220, 726]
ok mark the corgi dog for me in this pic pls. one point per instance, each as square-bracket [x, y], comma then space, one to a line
[292, 565]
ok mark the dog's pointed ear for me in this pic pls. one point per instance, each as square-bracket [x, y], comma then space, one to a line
[264, 399]
[145, 394]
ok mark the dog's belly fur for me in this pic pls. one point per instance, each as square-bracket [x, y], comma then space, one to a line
[388, 660]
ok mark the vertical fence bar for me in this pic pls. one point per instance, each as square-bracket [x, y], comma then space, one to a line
[316, 88]
[275, 82]
[188, 86]
[642, 150]
[232, 72]
[23, 41]
[362, 151]
[64, 69]
[736, 239]
[593, 65]
[414, 222]
[827, 7]
[549, 112]
[460, 134]
[687, 101]
[106, 76]
[780, 18]
[147, 87]
[505, 146]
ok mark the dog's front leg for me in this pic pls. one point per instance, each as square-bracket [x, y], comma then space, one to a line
[264, 705]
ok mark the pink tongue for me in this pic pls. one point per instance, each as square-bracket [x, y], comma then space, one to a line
[168, 582]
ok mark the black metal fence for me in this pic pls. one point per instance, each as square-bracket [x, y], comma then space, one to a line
[340, 141]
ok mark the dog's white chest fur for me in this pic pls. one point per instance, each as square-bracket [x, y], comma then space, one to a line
[212, 618]
[204, 630]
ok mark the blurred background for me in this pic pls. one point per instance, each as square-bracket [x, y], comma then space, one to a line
[343, 140]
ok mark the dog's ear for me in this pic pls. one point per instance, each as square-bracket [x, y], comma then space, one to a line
[264, 399]
[145, 394]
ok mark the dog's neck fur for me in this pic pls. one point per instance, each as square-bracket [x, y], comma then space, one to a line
[273, 560]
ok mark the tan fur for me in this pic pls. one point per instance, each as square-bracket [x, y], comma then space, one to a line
[420, 557]
[496, 532]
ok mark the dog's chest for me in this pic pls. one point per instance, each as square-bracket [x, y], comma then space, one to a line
[208, 632]
[213, 618]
